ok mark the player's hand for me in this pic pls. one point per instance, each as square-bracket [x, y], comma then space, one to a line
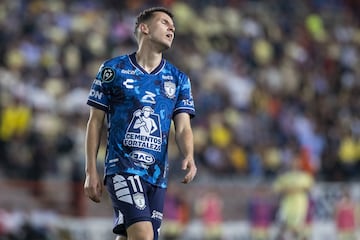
[188, 164]
[93, 187]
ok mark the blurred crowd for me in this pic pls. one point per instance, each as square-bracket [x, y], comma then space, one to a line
[272, 80]
[40, 224]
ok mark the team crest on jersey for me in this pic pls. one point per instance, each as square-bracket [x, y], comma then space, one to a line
[107, 74]
[170, 89]
[139, 201]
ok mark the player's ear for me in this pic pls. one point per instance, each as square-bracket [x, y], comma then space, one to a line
[144, 28]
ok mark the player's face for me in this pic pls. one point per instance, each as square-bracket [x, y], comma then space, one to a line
[162, 29]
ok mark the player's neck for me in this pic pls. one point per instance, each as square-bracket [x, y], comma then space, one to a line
[148, 60]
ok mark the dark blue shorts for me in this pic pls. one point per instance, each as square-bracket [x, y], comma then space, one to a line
[135, 200]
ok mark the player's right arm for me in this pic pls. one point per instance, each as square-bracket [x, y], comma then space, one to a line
[93, 184]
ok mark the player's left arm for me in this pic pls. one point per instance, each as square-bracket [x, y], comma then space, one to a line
[185, 142]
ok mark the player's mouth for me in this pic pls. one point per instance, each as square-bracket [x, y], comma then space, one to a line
[169, 36]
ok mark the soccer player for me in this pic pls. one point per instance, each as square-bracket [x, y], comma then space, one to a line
[294, 187]
[140, 94]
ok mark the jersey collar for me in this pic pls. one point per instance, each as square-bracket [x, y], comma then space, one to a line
[155, 71]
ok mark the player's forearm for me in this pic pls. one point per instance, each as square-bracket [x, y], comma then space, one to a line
[185, 142]
[92, 143]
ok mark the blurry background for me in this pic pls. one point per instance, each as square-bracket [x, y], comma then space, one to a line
[273, 81]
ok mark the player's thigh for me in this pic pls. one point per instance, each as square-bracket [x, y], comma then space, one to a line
[140, 230]
[156, 197]
[129, 198]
